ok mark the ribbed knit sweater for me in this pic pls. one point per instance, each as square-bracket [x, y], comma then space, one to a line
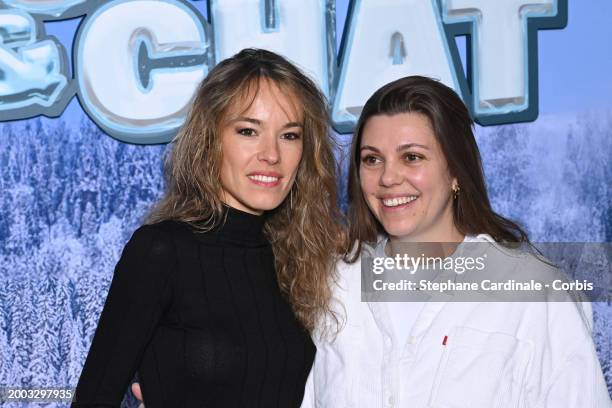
[202, 320]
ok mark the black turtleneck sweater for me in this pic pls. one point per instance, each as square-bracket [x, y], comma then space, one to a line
[201, 318]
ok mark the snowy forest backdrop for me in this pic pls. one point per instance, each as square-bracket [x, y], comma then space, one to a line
[71, 197]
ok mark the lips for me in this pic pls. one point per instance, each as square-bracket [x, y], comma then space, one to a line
[266, 179]
[397, 202]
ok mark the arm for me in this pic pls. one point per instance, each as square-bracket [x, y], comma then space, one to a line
[136, 299]
[576, 379]
[578, 382]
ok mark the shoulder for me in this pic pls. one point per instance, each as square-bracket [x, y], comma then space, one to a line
[351, 262]
[158, 240]
[526, 263]
[167, 229]
[150, 254]
[348, 273]
[360, 250]
[523, 259]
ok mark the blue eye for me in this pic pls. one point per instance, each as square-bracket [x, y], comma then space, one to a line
[246, 132]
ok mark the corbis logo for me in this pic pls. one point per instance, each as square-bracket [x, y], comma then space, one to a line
[136, 63]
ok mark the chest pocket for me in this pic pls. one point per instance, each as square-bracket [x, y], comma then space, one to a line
[480, 370]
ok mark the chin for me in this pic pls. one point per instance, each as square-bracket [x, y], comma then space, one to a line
[398, 230]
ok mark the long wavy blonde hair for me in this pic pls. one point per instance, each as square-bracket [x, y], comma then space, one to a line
[306, 231]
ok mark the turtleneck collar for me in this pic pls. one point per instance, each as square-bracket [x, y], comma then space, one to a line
[241, 227]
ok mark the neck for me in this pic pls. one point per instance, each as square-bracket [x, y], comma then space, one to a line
[232, 202]
[239, 225]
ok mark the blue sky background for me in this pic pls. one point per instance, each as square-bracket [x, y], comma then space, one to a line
[575, 64]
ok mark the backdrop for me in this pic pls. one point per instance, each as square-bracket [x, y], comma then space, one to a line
[90, 91]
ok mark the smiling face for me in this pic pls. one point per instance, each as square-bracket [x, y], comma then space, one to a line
[405, 180]
[261, 150]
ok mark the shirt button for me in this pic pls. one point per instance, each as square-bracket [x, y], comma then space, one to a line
[391, 401]
[411, 340]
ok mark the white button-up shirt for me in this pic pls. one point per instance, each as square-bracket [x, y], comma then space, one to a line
[457, 354]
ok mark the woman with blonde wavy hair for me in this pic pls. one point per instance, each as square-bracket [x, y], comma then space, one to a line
[213, 298]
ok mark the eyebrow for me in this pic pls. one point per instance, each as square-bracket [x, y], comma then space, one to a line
[409, 145]
[368, 147]
[399, 148]
[259, 122]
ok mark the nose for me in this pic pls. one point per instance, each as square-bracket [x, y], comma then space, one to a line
[391, 175]
[268, 149]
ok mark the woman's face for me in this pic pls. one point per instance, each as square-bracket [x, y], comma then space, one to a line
[405, 179]
[261, 149]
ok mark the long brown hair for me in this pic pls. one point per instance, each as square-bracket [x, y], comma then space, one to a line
[306, 231]
[453, 129]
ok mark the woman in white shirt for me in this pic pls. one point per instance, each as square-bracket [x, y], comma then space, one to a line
[416, 176]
